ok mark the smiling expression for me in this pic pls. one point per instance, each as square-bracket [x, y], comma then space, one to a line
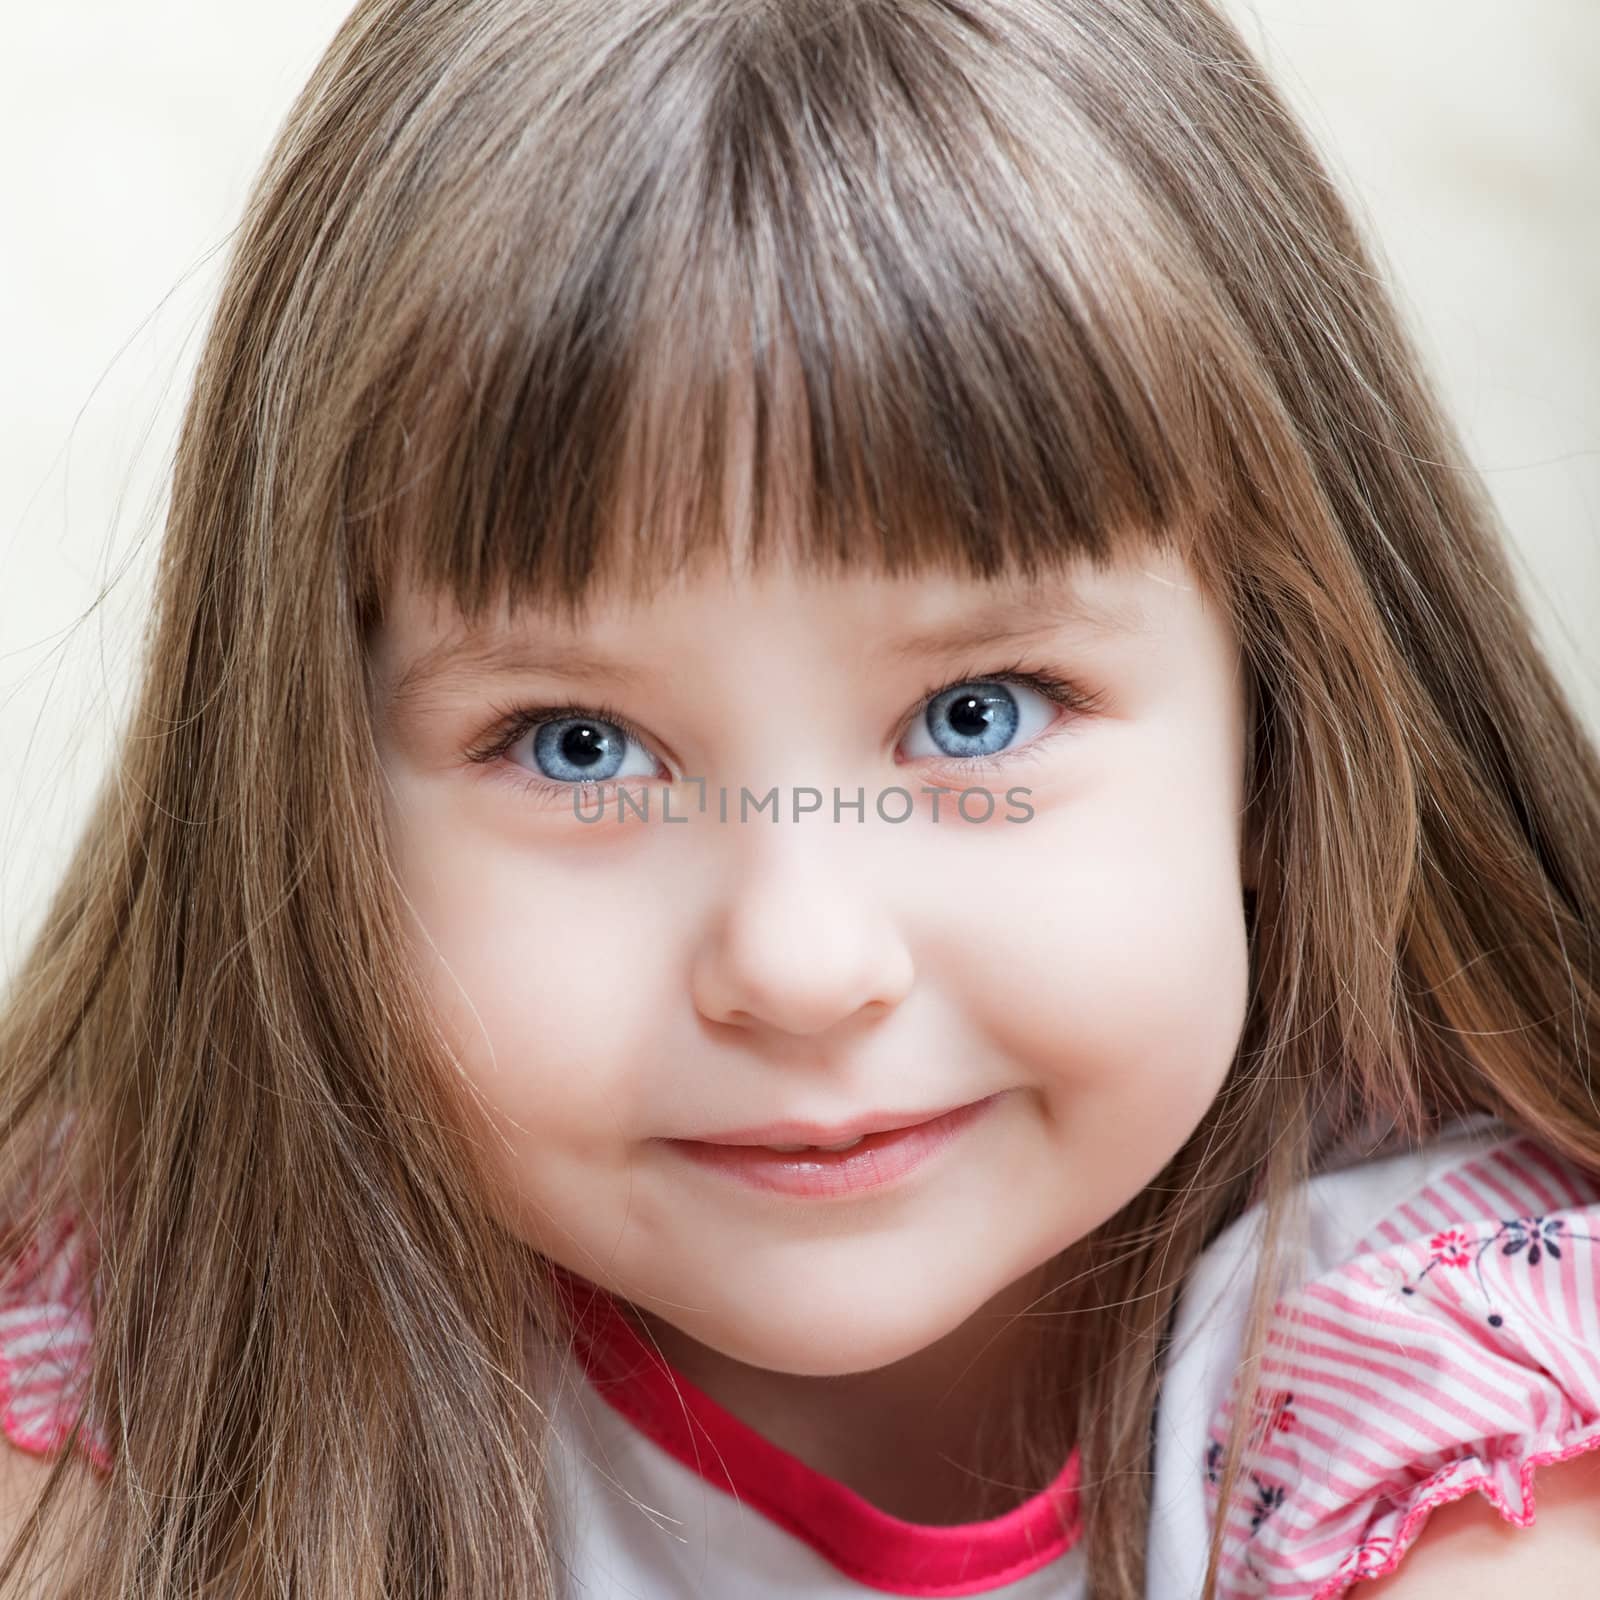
[636, 1005]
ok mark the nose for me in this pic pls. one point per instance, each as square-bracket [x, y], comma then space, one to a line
[800, 944]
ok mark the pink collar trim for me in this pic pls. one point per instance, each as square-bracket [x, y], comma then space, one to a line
[866, 1544]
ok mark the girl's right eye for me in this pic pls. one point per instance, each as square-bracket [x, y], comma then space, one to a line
[584, 750]
[568, 748]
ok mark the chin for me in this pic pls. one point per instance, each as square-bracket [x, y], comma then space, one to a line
[823, 1340]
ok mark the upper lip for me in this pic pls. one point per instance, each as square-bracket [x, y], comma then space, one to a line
[825, 1133]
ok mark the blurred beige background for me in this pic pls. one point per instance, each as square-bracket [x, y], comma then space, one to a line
[1468, 132]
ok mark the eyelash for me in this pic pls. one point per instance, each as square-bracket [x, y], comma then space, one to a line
[515, 721]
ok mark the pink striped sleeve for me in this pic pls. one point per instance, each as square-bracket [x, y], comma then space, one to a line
[45, 1333]
[1456, 1351]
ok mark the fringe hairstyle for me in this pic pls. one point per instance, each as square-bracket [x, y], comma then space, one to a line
[991, 287]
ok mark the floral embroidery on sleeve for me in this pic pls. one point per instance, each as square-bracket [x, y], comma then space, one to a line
[1540, 1237]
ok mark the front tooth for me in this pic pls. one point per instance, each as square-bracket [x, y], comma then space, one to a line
[849, 1144]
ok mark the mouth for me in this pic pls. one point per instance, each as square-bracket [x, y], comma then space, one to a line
[830, 1136]
[810, 1160]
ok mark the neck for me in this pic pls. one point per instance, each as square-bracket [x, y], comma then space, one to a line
[923, 1438]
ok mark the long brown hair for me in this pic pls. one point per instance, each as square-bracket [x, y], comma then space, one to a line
[990, 287]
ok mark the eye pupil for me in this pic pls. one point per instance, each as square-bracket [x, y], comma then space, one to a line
[971, 715]
[582, 745]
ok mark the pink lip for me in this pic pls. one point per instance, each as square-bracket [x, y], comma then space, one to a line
[821, 1132]
[887, 1152]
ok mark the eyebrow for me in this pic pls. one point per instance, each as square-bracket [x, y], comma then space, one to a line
[496, 657]
[998, 622]
[1003, 621]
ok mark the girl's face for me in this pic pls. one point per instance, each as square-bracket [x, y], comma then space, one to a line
[629, 997]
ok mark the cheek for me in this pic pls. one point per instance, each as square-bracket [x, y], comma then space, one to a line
[1117, 967]
[521, 962]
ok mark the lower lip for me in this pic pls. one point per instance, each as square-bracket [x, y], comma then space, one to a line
[878, 1161]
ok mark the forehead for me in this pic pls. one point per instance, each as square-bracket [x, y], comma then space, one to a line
[621, 638]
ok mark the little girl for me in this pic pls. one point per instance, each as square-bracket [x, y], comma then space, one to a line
[844, 868]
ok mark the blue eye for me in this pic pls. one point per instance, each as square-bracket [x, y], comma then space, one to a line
[980, 718]
[583, 750]
[571, 746]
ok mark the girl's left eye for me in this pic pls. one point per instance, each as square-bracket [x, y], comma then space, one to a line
[982, 717]
[566, 748]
